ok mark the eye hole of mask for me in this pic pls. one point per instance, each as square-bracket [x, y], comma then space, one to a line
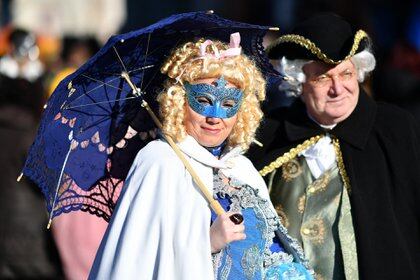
[229, 103]
[203, 100]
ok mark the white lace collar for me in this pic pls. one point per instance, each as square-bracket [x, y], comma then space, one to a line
[193, 149]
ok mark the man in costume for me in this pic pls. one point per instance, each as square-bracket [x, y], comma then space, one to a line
[343, 171]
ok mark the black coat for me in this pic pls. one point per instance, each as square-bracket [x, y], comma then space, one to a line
[27, 250]
[380, 147]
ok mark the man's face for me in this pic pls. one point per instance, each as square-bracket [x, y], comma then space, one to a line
[330, 93]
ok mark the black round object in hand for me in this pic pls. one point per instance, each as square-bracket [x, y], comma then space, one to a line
[236, 218]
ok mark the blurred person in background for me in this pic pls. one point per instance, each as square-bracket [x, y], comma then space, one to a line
[398, 78]
[77, 234]
[22, 60]
[27, 250]
[74, 52]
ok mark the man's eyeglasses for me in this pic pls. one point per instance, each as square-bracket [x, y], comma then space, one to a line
[325, 80]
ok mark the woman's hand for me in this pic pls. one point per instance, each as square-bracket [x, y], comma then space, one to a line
[224, 231]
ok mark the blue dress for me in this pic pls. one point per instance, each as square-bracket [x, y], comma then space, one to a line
[267, 252]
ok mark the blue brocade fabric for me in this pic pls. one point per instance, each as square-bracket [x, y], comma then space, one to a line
[261, 255]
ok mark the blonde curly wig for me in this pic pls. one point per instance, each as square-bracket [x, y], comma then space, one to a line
[186, 65]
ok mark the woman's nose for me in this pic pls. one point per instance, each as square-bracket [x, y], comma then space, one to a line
[212, 120]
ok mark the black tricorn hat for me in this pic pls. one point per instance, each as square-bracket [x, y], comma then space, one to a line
[326, 37]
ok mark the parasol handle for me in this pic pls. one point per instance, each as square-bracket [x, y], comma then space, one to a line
[214, 204]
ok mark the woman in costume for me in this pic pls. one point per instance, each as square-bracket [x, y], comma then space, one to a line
[163, 227]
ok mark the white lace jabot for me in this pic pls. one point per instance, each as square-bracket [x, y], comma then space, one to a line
[320, 157]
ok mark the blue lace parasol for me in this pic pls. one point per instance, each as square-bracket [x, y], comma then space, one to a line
[93, 124]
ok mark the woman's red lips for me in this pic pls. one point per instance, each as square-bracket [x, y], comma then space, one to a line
[212, 130]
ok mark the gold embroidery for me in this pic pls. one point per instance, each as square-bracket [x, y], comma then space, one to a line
[291, 170]
[319, 184]
[340, 163]
[282, 215]
[314, 230]
[289, 155]
[301, 204]
[318, 276]
[347, 239]
[309, 45]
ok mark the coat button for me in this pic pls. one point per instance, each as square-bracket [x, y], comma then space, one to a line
[306, 231]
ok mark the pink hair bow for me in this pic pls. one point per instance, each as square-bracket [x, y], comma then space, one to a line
[234, 48]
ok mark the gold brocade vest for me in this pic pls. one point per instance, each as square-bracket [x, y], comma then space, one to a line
[317, 213]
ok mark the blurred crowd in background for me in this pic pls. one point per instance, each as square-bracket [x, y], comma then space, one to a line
[43, 41]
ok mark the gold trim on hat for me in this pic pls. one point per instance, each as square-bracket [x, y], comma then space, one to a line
[309, 45]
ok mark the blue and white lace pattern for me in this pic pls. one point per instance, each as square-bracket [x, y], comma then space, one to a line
[253, 258]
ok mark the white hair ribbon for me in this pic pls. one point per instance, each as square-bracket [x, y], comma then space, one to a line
[233, 50]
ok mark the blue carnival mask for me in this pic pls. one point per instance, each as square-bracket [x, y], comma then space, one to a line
[216, 100]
